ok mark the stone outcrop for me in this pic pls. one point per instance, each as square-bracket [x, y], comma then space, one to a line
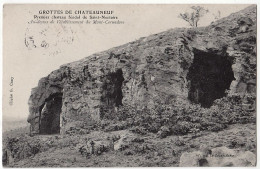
[218, 157]
[195, 65]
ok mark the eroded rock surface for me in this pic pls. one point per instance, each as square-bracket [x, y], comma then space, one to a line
[218, 157]
[159, 69]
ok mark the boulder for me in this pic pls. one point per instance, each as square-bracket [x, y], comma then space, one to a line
[218, 157]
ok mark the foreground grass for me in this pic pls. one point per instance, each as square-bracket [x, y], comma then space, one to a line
[62, 151]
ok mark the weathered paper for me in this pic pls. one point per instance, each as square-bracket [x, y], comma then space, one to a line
[166, 69]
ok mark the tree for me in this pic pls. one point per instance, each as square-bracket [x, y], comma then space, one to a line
[194, 17]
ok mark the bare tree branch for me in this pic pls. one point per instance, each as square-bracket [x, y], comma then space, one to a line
[194, 17]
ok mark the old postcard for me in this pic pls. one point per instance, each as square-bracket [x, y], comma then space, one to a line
[163, 85]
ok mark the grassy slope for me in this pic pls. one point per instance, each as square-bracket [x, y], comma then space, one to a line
[241, 136]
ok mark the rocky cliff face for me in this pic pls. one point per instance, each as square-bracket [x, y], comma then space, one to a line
[195, 65]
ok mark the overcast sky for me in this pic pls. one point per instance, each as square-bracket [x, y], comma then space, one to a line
[27, 64]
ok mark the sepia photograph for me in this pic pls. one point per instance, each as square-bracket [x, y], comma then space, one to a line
[129, 85]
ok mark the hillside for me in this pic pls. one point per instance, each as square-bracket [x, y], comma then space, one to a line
[12, 124]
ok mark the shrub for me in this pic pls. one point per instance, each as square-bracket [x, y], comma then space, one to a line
[138, 130]
[183, 117]
[163, 132]
[217, 127]
[115, 126]
[181, 128]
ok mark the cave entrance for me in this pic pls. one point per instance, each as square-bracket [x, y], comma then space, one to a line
[50, 115]
[209, 75]
[112, 94]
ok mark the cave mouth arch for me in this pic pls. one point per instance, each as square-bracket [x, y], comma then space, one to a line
[50, 113]
[209, 76]
[112, 94]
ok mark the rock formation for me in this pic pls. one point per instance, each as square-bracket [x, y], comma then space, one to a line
[195, 65]
[218, 157]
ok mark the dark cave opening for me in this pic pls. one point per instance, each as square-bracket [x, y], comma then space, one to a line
[112, 94]
[50, 115]
[209, 76]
